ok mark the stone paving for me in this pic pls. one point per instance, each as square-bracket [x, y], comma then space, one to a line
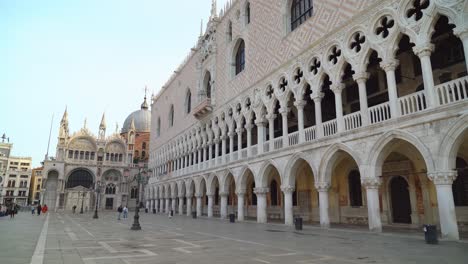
[75, 238]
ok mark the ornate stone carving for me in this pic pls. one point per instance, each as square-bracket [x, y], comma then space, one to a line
[287, 189]
[322, 186]
[442, 177]
[370, 182]
[261, 190]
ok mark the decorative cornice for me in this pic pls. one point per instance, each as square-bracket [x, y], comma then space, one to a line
[261, 190]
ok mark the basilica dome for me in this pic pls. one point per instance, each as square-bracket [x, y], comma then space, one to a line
[141, 118]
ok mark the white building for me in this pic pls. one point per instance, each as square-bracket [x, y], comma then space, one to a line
[350, 112]
[84, 162]
[15, 177]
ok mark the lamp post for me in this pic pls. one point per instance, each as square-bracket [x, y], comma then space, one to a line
[82, 202]
[98, 187]
[140, 178]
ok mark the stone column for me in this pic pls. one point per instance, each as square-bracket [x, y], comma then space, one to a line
[443, 181]
[161, 205]
[261, 204]
[224, 204]
[204, 152]
[199, 204]
[168, 205]
[210, 205]
[147, 206]
[240, 205]
[189, 203]
[150, 209]
[248, 127]
[288, 205]
[239, 142]
[190, 159]
[216, 141]
[210, 152]
[156, 205]
[300, 119]
[231, 145]
[389, 68]
[200, 158]
[260, 135]
[338, 89]
[361, 79]
[181, 205]
[318, 114]
[223, 148]
[174, 206]
[322, 188]
[284, 115]
[373, 205]
[463, 35]
[424, 54]
[271, 130]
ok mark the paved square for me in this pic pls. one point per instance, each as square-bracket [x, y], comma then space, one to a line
[75, 238]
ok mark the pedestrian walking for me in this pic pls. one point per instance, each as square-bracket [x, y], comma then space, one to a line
[125, 212]
[44, 209]
[119, 210]
[33, 208]
[39, 209]
[74, 208]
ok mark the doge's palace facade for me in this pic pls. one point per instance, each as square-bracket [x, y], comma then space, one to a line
[339, 112]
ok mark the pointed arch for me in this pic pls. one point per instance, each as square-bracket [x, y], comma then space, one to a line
[330, 157]
[262, 177]
[448, 148]
[377, 153]
[289, 170]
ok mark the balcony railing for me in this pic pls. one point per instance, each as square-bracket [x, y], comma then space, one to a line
[379, 113]
[203, 108]
[412, 103]
[446, 93]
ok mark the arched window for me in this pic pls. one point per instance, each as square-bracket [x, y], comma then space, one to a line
[247, 13]
[110, 188]
[207, 84]
[79, 178]
[143, 145]
[134, 192]
[171, 116]
[158, 127]
[274, 193]
[240, 57]
[355, 191]
[229, 31]
[460, 185]
[188, 102]
[301, 10]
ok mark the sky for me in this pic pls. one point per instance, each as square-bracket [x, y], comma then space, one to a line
[91, 56]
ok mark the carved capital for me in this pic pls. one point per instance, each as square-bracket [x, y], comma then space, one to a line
[271, 116]
[299, 104]
[284, 110]
[389, 65]
[241, 192]
[261, 190]
[198, 195]
[287, 189]
[317, 97]
[223, 193]
[338, 88]
[239, 130]
[423, 50]
[189, 195]
[248, 127]
[371, 183]
[322, 186]
[361, 77]
[442, 177]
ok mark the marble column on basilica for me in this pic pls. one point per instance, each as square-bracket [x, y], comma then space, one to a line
[322, 188]
[261, 193]
[373, 205]
[443, 181]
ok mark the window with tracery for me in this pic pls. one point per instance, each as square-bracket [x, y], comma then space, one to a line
[301, 10]
[110, 189]
[134, 192]
[188, 102]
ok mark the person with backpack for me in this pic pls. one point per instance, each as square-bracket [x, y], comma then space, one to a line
[39, 209]
[119, 210]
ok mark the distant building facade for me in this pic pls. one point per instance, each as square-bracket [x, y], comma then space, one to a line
[91, 169]
[35, 186]
[17, 181]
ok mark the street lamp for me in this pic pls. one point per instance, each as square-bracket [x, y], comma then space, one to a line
[140, 178]
[82, 202]
[98, 187]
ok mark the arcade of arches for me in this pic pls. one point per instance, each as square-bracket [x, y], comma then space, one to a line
[405, 193]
